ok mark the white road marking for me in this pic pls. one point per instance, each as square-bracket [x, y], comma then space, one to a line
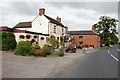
[112, 56]
[108, 51]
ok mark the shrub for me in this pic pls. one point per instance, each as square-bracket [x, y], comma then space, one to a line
[8, 41]
[53, 41]
[58, 53]
[62, 49]
[84, 50]
[24, 48]
[35, 47]
[40, 52]
[47, 49]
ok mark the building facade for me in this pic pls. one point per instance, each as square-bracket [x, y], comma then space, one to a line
[43, 26]
[88, 38]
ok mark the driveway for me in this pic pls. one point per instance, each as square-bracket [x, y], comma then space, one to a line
[31, 67]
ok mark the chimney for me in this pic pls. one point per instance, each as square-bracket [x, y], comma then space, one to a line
[41, 11]
[58, 19]
[93, 29]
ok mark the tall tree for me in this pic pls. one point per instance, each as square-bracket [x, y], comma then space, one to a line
[105, 27]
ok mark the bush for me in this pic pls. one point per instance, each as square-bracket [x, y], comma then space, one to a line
[35, 47]
[24, 48]
[40, 52]
[58, 53]
[47, 50]
[62, 49]
[8, 41]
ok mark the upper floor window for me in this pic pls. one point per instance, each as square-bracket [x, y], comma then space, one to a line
[54, 30]
[62, 31]
[80, 36]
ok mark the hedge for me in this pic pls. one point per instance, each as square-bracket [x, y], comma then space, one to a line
[8, 41]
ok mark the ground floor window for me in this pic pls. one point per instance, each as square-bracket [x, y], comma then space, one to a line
[80, 42]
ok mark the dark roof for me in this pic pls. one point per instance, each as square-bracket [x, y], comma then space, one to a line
[90, 32]
[5, 28]
[29, 24]
[54, 21]
[23, 25]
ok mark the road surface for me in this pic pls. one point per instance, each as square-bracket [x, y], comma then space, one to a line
[102, 63]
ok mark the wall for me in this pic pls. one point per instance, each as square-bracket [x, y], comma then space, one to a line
[87, 39]
[58, 30]
[40, 25]
[42, 42]
[25, 39]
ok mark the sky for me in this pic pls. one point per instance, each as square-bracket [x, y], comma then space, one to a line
[77, 15]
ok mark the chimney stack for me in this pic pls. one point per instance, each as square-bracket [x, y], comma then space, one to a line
[58, 19]
[93, 29]
[41, 11]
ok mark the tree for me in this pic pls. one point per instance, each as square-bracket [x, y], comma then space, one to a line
[52, 41]
[105, 27]
[8, 41]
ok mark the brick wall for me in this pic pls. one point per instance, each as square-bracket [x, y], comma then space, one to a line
[87, 39]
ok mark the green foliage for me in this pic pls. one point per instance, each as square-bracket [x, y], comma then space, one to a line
[106, 42]
[52, 41]
[113, 39]
[35, 47]
[62, 49]
[39, 52]
[62, 44]
[24, 48]
[58, 53]
[84, 50]
[8, 41]
[105, 26]
[47, 49]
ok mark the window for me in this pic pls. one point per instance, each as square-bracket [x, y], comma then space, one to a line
[80, 42]
[35, 36]
[28, 36]
[58, 38]
[80, 36]
[62, 31]
[21, 36]
[32, 41]
[61, 39]
[54, 29]
[42, 38]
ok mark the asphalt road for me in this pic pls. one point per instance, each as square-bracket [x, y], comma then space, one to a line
[102, 63]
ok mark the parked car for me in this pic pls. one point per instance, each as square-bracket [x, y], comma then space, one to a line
[71, 49]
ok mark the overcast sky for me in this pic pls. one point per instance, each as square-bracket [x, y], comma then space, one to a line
[74, 15]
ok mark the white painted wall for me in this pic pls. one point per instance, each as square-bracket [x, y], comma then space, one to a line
[17, 36]
[40, 25]
[58, 30]
[42, 42]
[25, 39]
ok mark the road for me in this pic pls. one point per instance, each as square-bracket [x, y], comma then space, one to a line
[102, 63]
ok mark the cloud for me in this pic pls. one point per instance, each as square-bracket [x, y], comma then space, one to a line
[102, 7]
[75, 15]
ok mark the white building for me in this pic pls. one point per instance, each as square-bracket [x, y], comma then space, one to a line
[41, 27]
